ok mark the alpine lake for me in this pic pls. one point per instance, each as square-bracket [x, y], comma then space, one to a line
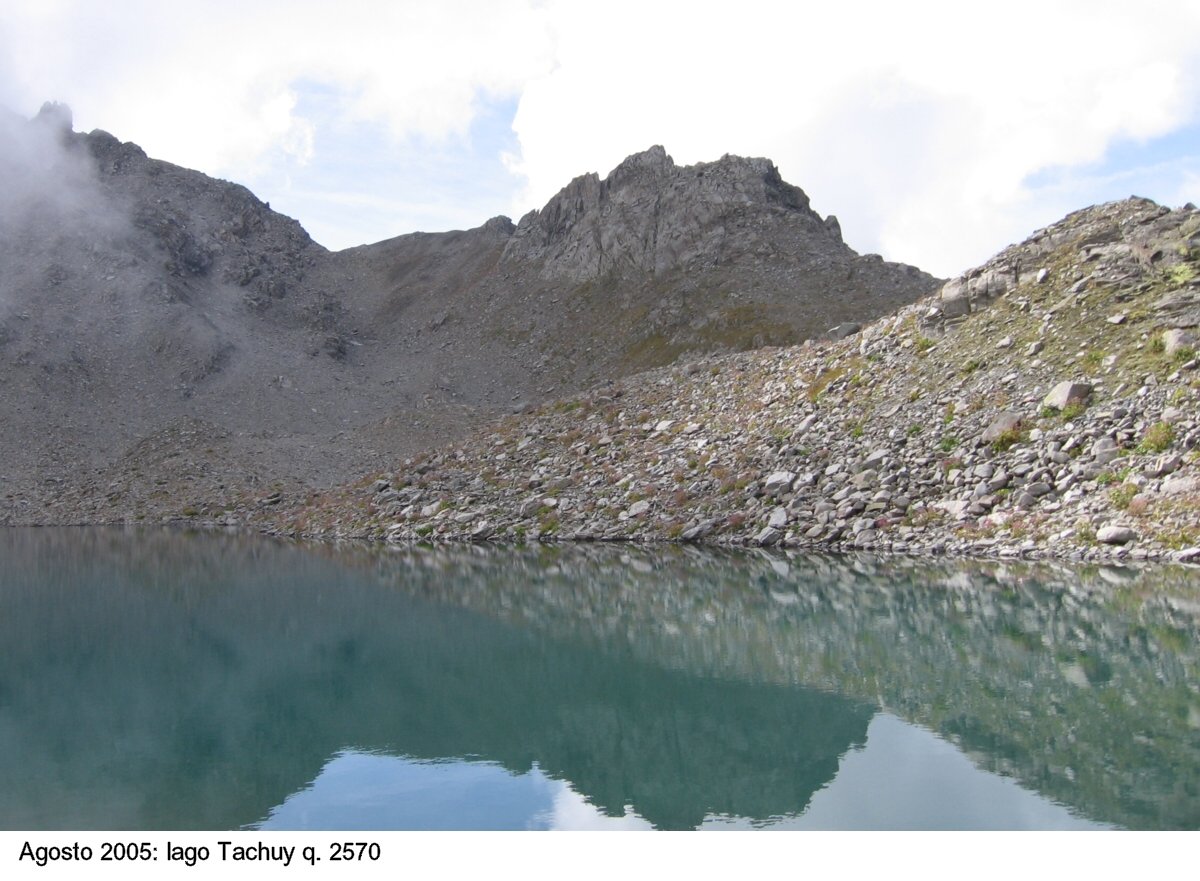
[159, 679]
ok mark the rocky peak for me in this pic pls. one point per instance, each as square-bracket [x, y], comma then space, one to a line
[500, 226]
[650, 215]
[55, 116]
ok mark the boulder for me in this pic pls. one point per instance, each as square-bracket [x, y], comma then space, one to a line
[1176, 339]
[954, 299]
[1104, 450]
[1067, 392]
[779, 482]
[1115, 535]
[841, 331]
[1178, 486]
[1007, 421]
[768, 536]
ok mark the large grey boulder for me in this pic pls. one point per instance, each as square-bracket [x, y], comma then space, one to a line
[954, 299]
[779, 482]
[1067, 392]
[1006, 422]
[1177, 339]
[1115, 535]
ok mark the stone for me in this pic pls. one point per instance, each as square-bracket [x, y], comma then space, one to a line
[1164, 464]
[1104, 450]
[693, 533]
[768, 536]
[865, 479]
[954, 299]
[954, 508]
[875, 457]
[1115, 535]
[1176, 339]
[778, 519]
[778, 483]
[638, 508]
[1006, 422]
[529, 506]
[1067, 392]
[1178, 486]
[843, 330]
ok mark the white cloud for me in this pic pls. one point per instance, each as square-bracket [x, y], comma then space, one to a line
[216, 88]
[919, 124]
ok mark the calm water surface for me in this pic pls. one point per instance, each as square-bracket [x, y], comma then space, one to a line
[163, 680]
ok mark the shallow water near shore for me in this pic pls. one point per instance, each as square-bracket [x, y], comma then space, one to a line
[172, 680]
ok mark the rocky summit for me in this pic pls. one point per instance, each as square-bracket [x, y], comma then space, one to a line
[167, 341]
[1044, 403]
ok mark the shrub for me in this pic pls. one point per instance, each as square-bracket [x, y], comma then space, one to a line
[1007, 439]
[1181, 273]
[1073, 410]
[1157, 438]
[1122, 495]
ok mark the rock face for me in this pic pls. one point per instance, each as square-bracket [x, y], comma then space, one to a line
[651, 216]
[143, 304]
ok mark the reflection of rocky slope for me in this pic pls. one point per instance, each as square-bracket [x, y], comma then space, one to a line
[165, 681]
[144, 306]
[1082, 685]
[680, 683]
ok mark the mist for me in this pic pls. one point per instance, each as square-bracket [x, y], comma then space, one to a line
[52, 203]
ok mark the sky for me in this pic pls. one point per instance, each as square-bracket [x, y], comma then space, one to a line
[937, 132]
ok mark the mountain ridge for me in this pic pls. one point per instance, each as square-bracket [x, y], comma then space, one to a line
[180, 307]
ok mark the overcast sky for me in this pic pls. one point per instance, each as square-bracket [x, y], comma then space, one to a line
[937, 134]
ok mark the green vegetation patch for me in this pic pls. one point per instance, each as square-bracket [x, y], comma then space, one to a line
[1157, 438]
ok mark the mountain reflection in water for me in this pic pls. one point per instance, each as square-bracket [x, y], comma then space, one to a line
[168, 680]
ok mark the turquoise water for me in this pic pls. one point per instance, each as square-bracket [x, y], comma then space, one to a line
[163, 680]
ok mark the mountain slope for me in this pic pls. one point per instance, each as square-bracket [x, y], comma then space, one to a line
[146, 307]
[1044, 403]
